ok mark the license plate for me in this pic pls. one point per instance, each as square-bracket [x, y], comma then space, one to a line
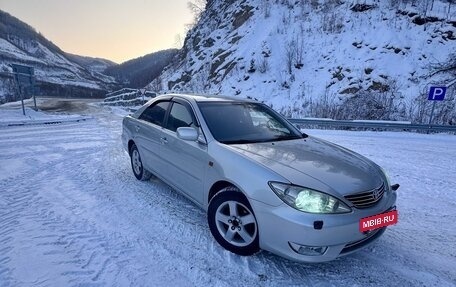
[377, 221]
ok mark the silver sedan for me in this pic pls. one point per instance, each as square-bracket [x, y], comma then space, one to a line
[264, 184]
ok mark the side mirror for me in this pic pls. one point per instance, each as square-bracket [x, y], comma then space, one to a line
[187, 133]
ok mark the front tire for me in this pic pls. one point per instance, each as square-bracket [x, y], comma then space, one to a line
[137, 166]
[232, 222]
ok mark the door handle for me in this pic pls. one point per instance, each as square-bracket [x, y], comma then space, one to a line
[163, 140]
[137, 128]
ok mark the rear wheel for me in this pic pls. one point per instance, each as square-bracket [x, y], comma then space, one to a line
[232, 223]
[137, 165]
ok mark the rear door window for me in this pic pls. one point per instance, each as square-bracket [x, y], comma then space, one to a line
[155, 113]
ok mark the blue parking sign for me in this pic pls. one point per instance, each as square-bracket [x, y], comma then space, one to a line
[437, 93]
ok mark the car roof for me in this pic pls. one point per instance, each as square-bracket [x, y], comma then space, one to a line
[210, 98]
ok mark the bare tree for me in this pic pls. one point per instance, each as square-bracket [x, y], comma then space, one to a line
[424, 6]
[420, 108]
[263, 66]
[197, 8]
[325, 106]
[450, 3]
[290, 52]
[157, 85]
[266, 8]
[299, 51]
[448, 66]
[178, 43]
[394, 4]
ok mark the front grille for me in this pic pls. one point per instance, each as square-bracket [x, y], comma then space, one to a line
[367, 198]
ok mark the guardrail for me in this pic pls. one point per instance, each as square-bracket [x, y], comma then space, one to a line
[373, 125]
[43, 121]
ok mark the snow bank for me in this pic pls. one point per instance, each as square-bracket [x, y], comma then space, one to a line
[15, 116]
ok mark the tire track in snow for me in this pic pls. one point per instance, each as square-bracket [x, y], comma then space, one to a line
[60, 237]
[85, 218]
[51, 222]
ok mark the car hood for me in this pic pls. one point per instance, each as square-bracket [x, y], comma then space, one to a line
[314, 163]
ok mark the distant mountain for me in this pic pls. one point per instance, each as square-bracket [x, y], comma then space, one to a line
[98, 65]
[57, 73]
[351, 59]
[138, 72]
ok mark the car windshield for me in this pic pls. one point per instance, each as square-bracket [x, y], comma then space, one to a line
[241, 122]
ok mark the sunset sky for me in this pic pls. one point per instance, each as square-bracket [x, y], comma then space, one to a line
[117, 30]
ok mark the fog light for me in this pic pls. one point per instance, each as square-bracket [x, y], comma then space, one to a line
[308, 250]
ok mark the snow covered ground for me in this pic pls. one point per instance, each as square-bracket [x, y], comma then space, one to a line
[32, 117]
[72, 214]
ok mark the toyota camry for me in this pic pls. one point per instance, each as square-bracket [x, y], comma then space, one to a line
[263, 183]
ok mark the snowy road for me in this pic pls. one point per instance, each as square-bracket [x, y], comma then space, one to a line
[72, 214]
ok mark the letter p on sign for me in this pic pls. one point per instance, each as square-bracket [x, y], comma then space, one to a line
[437, 93]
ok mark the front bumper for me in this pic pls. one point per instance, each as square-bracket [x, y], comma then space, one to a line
[281, 227]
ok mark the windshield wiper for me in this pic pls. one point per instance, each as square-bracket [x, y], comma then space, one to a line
[287, 138]
[278, 138]
[239, 141]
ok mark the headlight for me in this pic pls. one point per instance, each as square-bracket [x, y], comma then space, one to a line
[308, 200]
[388, 182]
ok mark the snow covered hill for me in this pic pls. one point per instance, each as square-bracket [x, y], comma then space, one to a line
[138, 72]
[98, 65]
[334, 58]
[56, 72]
